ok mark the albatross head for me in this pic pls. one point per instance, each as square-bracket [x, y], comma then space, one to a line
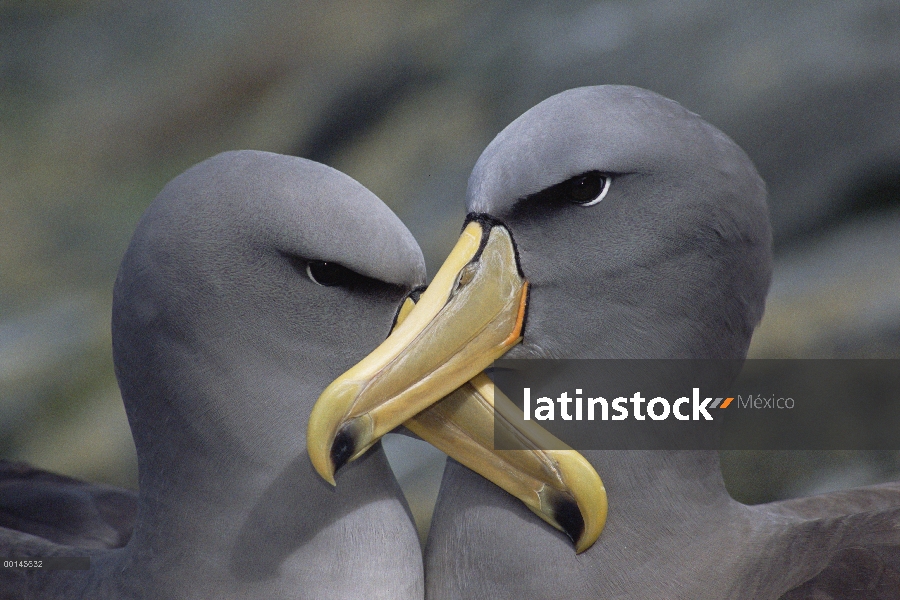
[605, 222]
[641, 229]
[257, 277]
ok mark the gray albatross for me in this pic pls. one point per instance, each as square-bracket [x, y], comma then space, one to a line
[251, 281]
[640, 231]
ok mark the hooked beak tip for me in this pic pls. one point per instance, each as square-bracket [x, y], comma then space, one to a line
[569, 517]
[343, 448]
[564, 512]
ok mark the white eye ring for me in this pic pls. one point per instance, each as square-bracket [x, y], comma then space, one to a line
[602, 193]
[310, 275]
[329, 273]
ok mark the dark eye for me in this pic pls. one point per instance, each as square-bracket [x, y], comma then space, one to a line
[329, 273]
[586, 189]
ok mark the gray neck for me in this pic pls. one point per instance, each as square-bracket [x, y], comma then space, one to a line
[648, 487]
[230, 506]
[222, 517]
[207, 479]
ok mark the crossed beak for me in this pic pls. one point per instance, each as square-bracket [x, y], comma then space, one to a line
[427, 375]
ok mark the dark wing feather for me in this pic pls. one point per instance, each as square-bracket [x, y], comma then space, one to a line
[65, 510]
[859, 573]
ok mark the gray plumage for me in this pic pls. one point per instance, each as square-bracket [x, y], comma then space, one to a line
[674, 262]
[222, 344]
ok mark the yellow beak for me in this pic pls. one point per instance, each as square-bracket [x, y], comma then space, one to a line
[428, 355]
[559, 486]
[470, 315]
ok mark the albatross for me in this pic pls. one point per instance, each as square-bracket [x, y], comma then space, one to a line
[251, 281]
[637, 230]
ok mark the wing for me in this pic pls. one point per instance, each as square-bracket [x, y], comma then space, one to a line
[838, 504]
[864, 524]
[860, 573]
[65, 510]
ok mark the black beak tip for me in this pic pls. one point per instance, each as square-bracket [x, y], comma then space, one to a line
[343, 448]
[568, 515]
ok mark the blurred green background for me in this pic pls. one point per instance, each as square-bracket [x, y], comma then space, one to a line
[102, 102]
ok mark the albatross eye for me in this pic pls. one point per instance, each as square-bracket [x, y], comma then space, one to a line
[586, 189]
[332, 274]
[328, 273]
